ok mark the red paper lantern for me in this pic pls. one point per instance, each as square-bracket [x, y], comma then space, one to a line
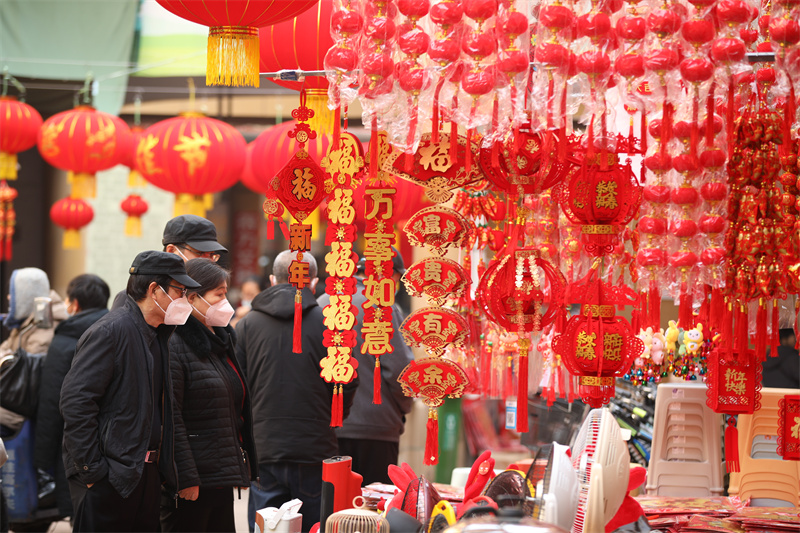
[248, 178]
[301, 43]
[192, 156]
[71, 214]
[19, 124]
[8, 219]
[233, 47]
[134, 206]
[83, 141]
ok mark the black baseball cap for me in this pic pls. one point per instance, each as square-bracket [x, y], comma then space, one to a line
[152, 262]
[197, 232]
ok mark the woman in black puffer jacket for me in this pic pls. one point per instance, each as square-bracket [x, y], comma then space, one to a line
[214, 449]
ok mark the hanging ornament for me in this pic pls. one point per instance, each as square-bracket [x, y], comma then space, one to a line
[134, 206]
[435, 329]
[438, 229]
[436, 279]
[71, 214]
[20, 125]
[341, 59]
[8, 220]
[789, 427]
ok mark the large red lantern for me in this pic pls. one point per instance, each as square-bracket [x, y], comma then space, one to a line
[301, 43]
[19, 124]
[233, 50]
[71, 214]
[83, 141]
[192, 156]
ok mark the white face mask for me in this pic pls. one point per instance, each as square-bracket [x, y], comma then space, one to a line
[177, 312]
[219, 314]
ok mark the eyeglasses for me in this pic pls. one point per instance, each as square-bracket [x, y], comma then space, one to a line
[182, 290]
[214, 256]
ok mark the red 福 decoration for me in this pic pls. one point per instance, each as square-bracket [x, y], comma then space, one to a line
[233, 48]
[789, 427]
[192, 156]
[433, 379]
[71, 214]
[134, 206]
[20, 125]
[83, 141]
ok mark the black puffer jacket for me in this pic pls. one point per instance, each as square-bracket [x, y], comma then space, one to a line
[208, 452]
[291, 402]
[49, 423]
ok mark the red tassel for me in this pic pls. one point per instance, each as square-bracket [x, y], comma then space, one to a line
[685, 318]
[562, 144]
[432, 438]
[270, 228]
[496, 143]
[727, 328]
[373, 148]
[776, 337]
[731, 446]
[702, 315]
[337, 406]
[644, 131]
[376, 382]
[337, 133]
[454, 130]
[761, 331]
[297, 334]
[435, 117]
[284, 228]
[550, 393]
[522, 391]
[742, 326]
[412, 132]
[468, 153]
[729, 115]
[636, 319]
[710, 115]
[509, 381]
[716, 310]
[654, 299]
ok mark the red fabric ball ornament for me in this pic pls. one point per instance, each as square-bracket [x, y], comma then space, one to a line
[765, 47]
[714, 191]
[380, 29]
[377, 64]
[654, 128]
[748, 35]
[683, 259]
[684, 196]
[445, 51]
[479, 45]
[663, 22]
[413, 43]
[346, 22]
[784, 31]
[658, 162]
[732, 12]
[657, 194]
[727, 50]
[765, 75]
[631, 28]
[683, 228]
[763, 25]
[447, 13]
[515, 23]
[630, 65]
[71, 214]
[514, 62]
[556, 17]
[480, 10]
[698, 31]
[697, 69]
[712, 224]
[410, 76]
[662, 60]
[594, 25]
[652, 225]
[414, 9]
[651, 257]
[712, 256]
[712, 158]
[594, 63]
[682, 130]
[340, 58]
[477, 82]
[553, 54]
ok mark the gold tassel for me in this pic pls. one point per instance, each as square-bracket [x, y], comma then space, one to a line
[322, 121]
[135, 179]
[8, 166]
[190, 204]
[233, 56]
[82, 185]
[133, 226]
[72, 239]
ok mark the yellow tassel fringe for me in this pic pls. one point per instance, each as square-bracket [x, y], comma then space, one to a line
[322, 121]
[232, 56]
[8, 166]
[72, 239]
[133, 227]
[81, 185]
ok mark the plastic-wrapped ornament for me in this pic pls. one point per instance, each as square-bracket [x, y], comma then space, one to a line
[341, 59]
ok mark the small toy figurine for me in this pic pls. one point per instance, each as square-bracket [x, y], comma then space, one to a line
[671, 337]
[657, 348]
[693, 340]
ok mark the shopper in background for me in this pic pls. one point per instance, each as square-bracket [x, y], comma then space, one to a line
[86, 303]
[214, 449]
[371, 434]
[291, 402]
[249, 290]
[117, 395]
[188, 237]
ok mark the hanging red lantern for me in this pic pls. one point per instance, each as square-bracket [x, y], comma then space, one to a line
[192, 156]
[20, 125]
[8, 219]
[71, 214]
[301, 43]
[131, 141]
[83, 141]
[134, 206]
[233, 48]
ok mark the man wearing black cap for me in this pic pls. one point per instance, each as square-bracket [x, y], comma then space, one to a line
[117, 403]
[371, 434]
[188, 237]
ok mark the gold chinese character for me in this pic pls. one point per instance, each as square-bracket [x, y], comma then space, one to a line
[340, 208]
[606, 195]
[436, 156]
[433, 271]
[303, 188]
[586, 345]
[379, 292]
[432, 323]
[298, 274]
[433, 375]
[612, 347]
[194, 150]
[299, 237]
[431, 224]
[378, 246]
[336, 365]
[339, 260]
[49, 134]
[735, 381]
[339, 313]
[377, 337]
[378, 200]
[796, 428]
[145, 156]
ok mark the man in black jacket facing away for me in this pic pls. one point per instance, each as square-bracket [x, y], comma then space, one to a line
[117, 402]
[87, 301]
[291, 402]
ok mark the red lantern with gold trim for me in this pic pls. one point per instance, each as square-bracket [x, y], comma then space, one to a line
[83, 141]
[71, 214]
[233, 48]
[134, 206]
[192, 156]
[20, 125]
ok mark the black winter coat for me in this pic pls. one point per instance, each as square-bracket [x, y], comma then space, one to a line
[208, 452]
[107, 401]
[49, 423]
[291, 402]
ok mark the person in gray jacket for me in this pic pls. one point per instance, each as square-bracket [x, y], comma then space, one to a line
[371, 434]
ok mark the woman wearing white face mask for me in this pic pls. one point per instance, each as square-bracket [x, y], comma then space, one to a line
[214, 449]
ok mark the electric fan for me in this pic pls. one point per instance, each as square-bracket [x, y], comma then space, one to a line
[600, 457]
[556, 483]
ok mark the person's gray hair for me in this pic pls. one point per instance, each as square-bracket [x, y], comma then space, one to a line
[280, 267]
